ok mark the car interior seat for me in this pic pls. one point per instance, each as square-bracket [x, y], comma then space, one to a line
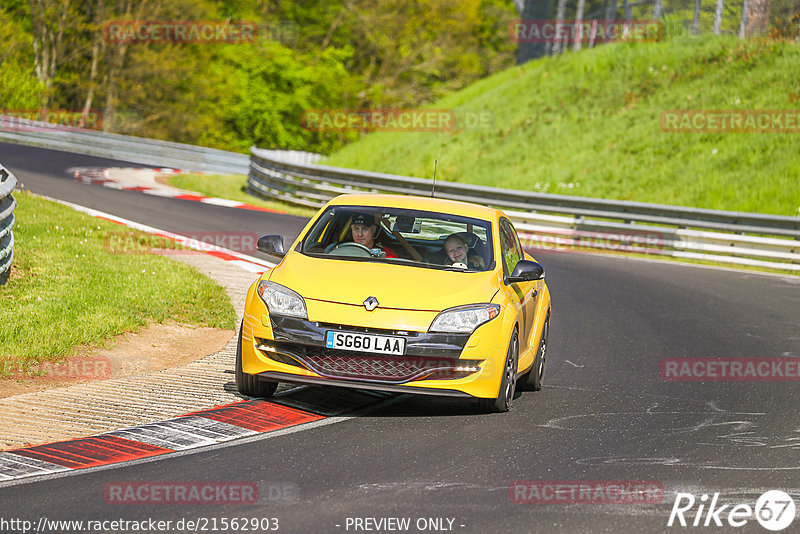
[475, 245]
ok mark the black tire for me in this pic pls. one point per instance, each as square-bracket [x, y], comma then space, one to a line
[508, 385]
[251, 385]
[534, 377]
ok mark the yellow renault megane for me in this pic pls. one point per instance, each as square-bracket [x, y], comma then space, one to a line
[398, 293]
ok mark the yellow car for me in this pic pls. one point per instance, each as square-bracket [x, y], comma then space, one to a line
[398, 293]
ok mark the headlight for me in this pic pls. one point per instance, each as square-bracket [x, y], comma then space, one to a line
[464, 319]
[281, 300]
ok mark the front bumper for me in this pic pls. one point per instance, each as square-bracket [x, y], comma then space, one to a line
[293, 350]
[357, 384]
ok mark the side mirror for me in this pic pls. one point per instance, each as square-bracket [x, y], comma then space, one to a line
[526, 271]
[272, 245]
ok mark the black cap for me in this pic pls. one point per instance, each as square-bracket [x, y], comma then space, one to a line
[363, 218]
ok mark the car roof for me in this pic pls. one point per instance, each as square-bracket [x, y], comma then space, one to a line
[438, 205]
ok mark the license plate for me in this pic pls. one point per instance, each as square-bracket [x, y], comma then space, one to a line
[392, 345]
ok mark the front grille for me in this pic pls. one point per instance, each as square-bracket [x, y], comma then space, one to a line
[390, 369]
[363, 366]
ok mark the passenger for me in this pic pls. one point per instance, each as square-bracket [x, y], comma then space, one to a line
[457, 251]
[365, 231]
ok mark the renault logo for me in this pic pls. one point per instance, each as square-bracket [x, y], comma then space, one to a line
[371, 303]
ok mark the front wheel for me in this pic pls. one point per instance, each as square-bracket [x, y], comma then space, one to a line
[247, 384]
[508, 384]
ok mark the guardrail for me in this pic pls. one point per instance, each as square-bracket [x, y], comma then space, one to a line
[561, 222]
[7, 204]
[134, 149]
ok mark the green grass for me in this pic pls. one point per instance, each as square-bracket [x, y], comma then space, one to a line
[232, 187]
[68, 289]
[588, 124]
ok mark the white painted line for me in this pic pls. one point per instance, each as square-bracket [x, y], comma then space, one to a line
[17, 466]
[178, 436]
[222, 202]
[209, 427]
[257, 436]
[163, 192]
[253, 263]
[249, 439]
[248, 266]
[162, 434]
[738, 261]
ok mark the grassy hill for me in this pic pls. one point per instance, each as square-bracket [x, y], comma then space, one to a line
[588, 124]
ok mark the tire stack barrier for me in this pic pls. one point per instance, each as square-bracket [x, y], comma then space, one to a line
[7, 204]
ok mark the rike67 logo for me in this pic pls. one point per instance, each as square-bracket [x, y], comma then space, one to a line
[774, 510]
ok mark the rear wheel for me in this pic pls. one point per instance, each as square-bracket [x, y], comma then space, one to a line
[533, 378]
[508, 384]
[248, 384]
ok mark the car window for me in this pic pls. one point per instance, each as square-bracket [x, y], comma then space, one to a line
[409, 237]
[509, 246]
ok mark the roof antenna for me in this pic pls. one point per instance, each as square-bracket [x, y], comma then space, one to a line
[433, 188]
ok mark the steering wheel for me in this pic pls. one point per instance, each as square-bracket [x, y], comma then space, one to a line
[352, 249]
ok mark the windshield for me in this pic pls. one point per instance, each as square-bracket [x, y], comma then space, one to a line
[407, 237]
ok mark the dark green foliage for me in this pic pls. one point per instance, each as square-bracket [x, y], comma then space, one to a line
[351, 54]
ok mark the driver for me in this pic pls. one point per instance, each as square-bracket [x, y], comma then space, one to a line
[365, 230]
[458, 252]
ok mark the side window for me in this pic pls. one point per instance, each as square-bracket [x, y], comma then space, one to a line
[321, 231]
[509, 246]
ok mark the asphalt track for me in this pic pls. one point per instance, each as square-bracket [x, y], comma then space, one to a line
[604, 414]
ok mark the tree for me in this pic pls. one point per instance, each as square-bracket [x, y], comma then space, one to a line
[534, 10]
[97, 45]
[52, 21]
[115, 54]
[343, 53]
[718, 16]
[19, 87]
[578, 24]
[557, 45]
[758, 16]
